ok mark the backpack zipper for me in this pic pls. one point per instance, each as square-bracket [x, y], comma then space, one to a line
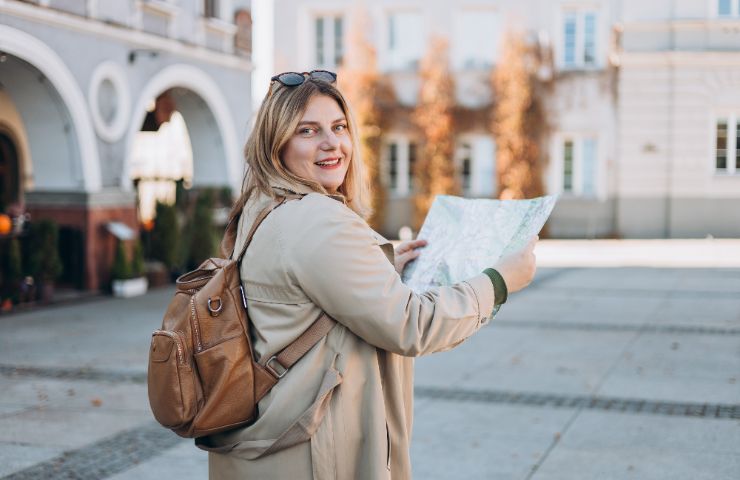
[176, 338]
[194, 322]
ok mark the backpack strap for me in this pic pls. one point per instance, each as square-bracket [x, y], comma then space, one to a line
[279, 200]
[279, 364]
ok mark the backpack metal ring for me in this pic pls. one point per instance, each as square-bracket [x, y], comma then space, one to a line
[215, 311]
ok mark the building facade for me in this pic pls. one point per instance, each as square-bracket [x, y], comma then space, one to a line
[78, 84]
[642, 106]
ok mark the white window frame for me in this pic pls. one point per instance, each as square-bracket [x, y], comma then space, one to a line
[329, 40]
[403, 175]
[580, 13]
[557, 174]
[732, 119]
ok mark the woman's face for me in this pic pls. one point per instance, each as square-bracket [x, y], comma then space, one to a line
[321, 147]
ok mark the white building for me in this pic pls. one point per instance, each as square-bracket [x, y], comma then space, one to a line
[77, 79]
[644, 111]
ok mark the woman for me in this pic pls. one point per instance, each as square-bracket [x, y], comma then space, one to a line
[344, 411]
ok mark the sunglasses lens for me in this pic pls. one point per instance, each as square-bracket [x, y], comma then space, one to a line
[323, 76]
[291, 79]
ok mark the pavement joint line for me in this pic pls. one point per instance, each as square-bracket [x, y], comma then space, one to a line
[618, 292]
[616, 327]
[105, 458]
[59, 373]
[586, 402]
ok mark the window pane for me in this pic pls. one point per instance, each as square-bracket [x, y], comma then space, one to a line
[466, 164]
[721, 158]
[211, 8]
[569, 39]
[589, 39]
[724, 7]
[392, 32]
[320, 41]
[412, 162]
[568, 166]
[737, 144]
[338, 51]
[393, 166]
[589, 166]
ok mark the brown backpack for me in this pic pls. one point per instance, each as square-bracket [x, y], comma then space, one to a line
[203, 377]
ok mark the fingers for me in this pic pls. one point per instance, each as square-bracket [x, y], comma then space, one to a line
[406, 257]
[410, 245]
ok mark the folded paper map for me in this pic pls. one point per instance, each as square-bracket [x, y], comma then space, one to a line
[466, 236]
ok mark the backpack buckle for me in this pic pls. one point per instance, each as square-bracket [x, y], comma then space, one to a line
[215, 310]
[272, 369]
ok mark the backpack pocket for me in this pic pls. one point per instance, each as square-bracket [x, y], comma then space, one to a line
[174, 401]
[226, 373]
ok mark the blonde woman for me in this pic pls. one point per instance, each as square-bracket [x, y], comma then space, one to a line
[344, 411]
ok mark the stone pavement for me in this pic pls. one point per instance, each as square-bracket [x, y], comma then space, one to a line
[591, 373]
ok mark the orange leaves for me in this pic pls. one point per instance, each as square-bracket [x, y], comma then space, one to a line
[435, 168]
[518, 122]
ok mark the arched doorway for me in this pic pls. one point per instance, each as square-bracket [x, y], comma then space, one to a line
[10, 173]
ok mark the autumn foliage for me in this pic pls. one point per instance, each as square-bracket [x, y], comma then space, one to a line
[518, 122]
[366, 90]
[434, 169]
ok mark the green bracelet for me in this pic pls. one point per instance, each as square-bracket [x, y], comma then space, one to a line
[500, 291]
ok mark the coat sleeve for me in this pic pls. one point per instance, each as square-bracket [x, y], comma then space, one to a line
[338, 263]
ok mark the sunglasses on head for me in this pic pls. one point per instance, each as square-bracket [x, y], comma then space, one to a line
[293, 79]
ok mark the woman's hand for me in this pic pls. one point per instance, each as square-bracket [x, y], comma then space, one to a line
[518, 267]
[407, 251]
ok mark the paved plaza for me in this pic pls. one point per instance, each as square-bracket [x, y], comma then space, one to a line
[601, 372]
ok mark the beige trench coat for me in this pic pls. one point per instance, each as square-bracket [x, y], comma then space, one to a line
[344, 411]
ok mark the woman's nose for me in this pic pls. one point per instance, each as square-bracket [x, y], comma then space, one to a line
[331, 141]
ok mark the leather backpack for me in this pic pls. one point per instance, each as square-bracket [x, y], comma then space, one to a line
[202, 375]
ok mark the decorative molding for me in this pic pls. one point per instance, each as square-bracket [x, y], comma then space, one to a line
[113, 131]
[676, 58]
[127, 36]
[42, 57]
[224, 29]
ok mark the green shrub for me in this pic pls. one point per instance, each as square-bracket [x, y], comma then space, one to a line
[165, 236]
[121, 269]
[203, 239]
[46, 264]
[137, 261]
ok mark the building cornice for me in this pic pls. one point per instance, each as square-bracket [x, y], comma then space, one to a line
[679, 24]
[702, 58]
[133, 38]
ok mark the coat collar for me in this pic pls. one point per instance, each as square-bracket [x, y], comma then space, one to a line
[300, 189]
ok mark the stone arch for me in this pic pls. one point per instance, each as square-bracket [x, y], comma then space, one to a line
[216, 158]
[54, 110]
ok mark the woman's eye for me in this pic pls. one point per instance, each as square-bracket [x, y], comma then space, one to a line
[341, 127]
[306, 131]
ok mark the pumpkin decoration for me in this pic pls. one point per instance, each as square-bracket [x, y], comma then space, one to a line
[6, 224]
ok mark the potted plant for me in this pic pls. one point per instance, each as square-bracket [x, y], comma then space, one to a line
[46, 264]
[128, 278]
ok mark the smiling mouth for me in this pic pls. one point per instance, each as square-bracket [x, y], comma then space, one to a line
[329, 163]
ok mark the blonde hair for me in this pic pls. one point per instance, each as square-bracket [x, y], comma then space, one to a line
[277, 119]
